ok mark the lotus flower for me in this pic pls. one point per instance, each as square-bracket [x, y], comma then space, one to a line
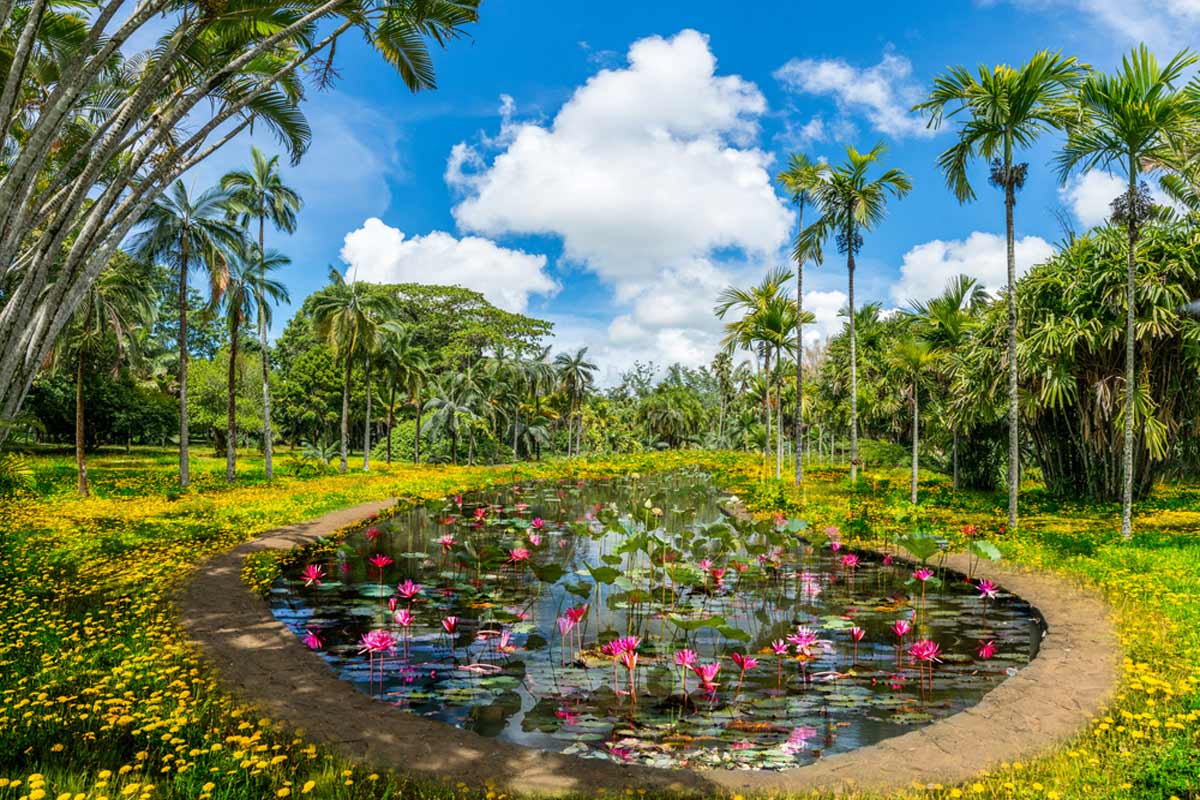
[380, 561]
[779, 647]
[857, 633]
[408, 590]
[925, 650]
[404, 617]
[987, 649]
[850, 560]
[538, 523]
[685, 658]
[518, 554]
[988, 590]
[923, 574]
[448, 541]
[312, 574]
[450, 624]
[313, 640]
[376, 642]
[901, 627]
[707, 674]
[969, 530]
[577, 614]
[535, 540]
[372, 534]
[744, 662]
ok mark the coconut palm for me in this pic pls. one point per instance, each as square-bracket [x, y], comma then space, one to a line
[576, 376]
[247, 284]
[452, 404]
[798, 180]
[259, 194]
[1140, 121]
[114, 306]
[406, 367]
[1003, 108]
[348, 316]
[187, 232]
[912, 356]
[849, 203]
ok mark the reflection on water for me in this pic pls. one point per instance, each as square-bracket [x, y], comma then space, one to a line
[651, 557]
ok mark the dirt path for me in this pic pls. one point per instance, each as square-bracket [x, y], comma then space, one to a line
[263, 663]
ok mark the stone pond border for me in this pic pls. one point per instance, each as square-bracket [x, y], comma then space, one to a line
[262, 663]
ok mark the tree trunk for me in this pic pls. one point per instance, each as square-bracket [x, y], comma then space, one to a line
[268, 461]
[391, 417]
[417, 436]
[516, 428]
[853, 363]
[231, 422]
[955, 457]
[916, 437]
[799, 353]
[346, 412]
[367, 421]
[779, 421]
[1130, 374]
[767, 406]
[80, 457]
[184, 467]
[1014, 408]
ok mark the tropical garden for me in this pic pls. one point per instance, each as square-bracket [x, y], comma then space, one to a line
[742, 565]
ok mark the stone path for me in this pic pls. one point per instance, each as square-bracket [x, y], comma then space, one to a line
[259, 660]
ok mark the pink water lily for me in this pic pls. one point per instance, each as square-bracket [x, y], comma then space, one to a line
[312, 640]
[901, 627]
[987, 649]
[372, 534]
[988, 590]
[408, 590]
[404, 617]
[535, 540]
[538, 523]
[377, 641]
[923, 574]
[312, 574]
[381, 561]
[743, 663]
[447, 542]
[450, 624]
[518, 554]
[857, 634]
[707, 673]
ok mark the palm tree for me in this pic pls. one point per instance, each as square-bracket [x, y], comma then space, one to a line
[744, 332]
[849, 204]
[247, 285]
[912, 356]
[187, 232]
[1006, 108]
[118, 302]
[406, 366]
[799, 179]
[946, 322]
[260, 194]
[453, 402]
[348, 317]
[575, 373]
[541, 377]
[1140, 121]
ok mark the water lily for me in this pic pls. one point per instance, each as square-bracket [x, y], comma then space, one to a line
[987, 649]
[743, 663]
[684, 659]
[857, 634]
[923, 574]
[408, 590]
[312, 639]
[538, 523]
[707, 673]
[988, 590]
[901, 627]
[312, 574]
[447, 542]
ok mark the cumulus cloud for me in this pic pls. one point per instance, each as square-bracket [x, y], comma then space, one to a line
[1162, 24]
[651, 177]
[883, 94]
[928, 267]
[379, 253]
[1090, 196]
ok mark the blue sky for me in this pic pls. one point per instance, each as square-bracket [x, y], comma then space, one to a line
[610, 171]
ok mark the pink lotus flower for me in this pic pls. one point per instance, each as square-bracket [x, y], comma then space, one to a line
[312, 574]
[888, 559]
[408, 590]
[707, 674]
[835, 546]
[565, 624]
[803, 640]
[685, 658]
[404, 617]
[312, 640]
[448, 541]
[925, 650]
[857, 633]
[372, 534]
[988, 589]
[380, 561]
[521, 506]
[504, 643]
[923, 574]
[450, 624]
[850, 560]
[629, 659]
[538, 523]
[718, 573]
[376, 642]
[901, 627]
[744, 662]
[987, 649]
[458, 500]
[798, 739]
[518, 554]
[577, 614]
[705, 565]
[779, 647]
[392, 603]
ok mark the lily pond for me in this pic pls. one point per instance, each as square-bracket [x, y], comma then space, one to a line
[632, 620]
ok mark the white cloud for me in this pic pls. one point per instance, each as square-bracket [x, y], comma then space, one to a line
[928, 267]
[379, 253]
[825, 306]
[1090, 196]
[651, 177]
[1164, 25]
[883, 93]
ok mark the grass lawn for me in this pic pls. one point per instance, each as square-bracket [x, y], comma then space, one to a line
[100, 698]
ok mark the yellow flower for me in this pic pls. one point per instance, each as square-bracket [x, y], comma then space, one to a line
[308, 787]
[284, 792]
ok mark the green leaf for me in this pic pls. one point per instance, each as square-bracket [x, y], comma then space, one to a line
[547, 573]
[984, 549]
[604, 575]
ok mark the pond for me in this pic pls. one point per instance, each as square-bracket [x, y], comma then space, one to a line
[631, 620]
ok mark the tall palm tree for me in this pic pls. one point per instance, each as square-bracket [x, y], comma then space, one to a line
[348, 316]
[406, 367]
[1138, 120]
[912, 357]
[850, 202]
[798, 180]
[946, 322]
[453, 403]
[115, 305]
[188, 233]
[576, 375]
[743, 332]
[260, 194]
[247, 283]
[541, 376]
[1003, 108]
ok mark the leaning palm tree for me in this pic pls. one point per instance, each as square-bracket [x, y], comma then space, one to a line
[1140, 121]
[799, 179]
[850, 202]
[912, 356]
[260, 194]
[247, 284]
[576, 375]
[1003, 109]
[119, 302]
[188, 233]
[348, 317]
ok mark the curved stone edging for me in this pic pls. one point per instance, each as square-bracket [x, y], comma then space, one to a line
[263, 663]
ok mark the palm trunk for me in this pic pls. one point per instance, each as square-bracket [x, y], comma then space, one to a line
[268, 461]
[367, 421]
[231, 421]
[1130, 354]
[916, 436]
[417, 436]
[1014, 436]
[80, 458]
[390, 420]
[346, 412]
[853, 363]
[184, 467]
[956, 458]
[516, 428]
[779, 421]
[767, 406]
[799, 352]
